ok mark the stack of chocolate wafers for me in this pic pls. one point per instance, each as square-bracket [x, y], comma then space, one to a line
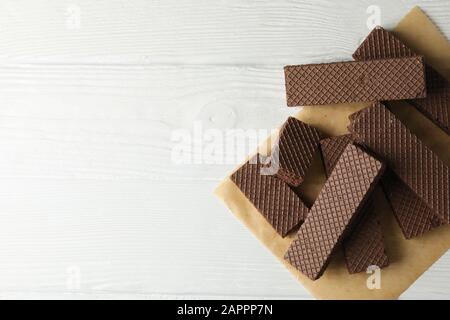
[379, 152]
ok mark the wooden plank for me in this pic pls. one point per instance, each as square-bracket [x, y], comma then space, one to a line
[232, 32]
[119, 122]
[91, 236]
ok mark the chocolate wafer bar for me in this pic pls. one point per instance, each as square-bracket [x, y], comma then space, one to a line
[355, 81]
[436, 106]
[364, 246]
[334, 211]
[332, 149]
[381, 44]
[273, 198]
[412, 214]
[294, 151]
[415, 164]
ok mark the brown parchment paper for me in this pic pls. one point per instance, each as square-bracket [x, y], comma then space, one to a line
[409, 258]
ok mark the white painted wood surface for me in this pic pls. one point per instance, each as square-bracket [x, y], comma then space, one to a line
[91, 205]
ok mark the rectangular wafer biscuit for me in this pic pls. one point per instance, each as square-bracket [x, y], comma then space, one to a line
[273, 198]
[436, 106]
[382, 44]
[364, 246]
[355, 81]
[413, 216]
[331, 150]
[334, 211]
[294, 151]
[415, 164]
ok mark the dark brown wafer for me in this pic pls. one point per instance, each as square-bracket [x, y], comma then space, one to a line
[295, 150]
[436, 106]
[360, 81]
[334, 211]
[332, 149]
[273, 198]
[364, 246]
[415, 164]
[412, 214]
[381, 44]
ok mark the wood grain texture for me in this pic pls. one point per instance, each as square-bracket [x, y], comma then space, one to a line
[232, 32]
[89, 105]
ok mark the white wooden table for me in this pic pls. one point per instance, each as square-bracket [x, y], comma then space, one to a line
[91, 205]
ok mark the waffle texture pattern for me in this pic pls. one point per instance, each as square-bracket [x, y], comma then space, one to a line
[381, 44]
[360, 81]
[273, 198]
[365, 245]
[412, 214]
[295, 150]
[332, 149]
[414, 163]
[335, 209]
